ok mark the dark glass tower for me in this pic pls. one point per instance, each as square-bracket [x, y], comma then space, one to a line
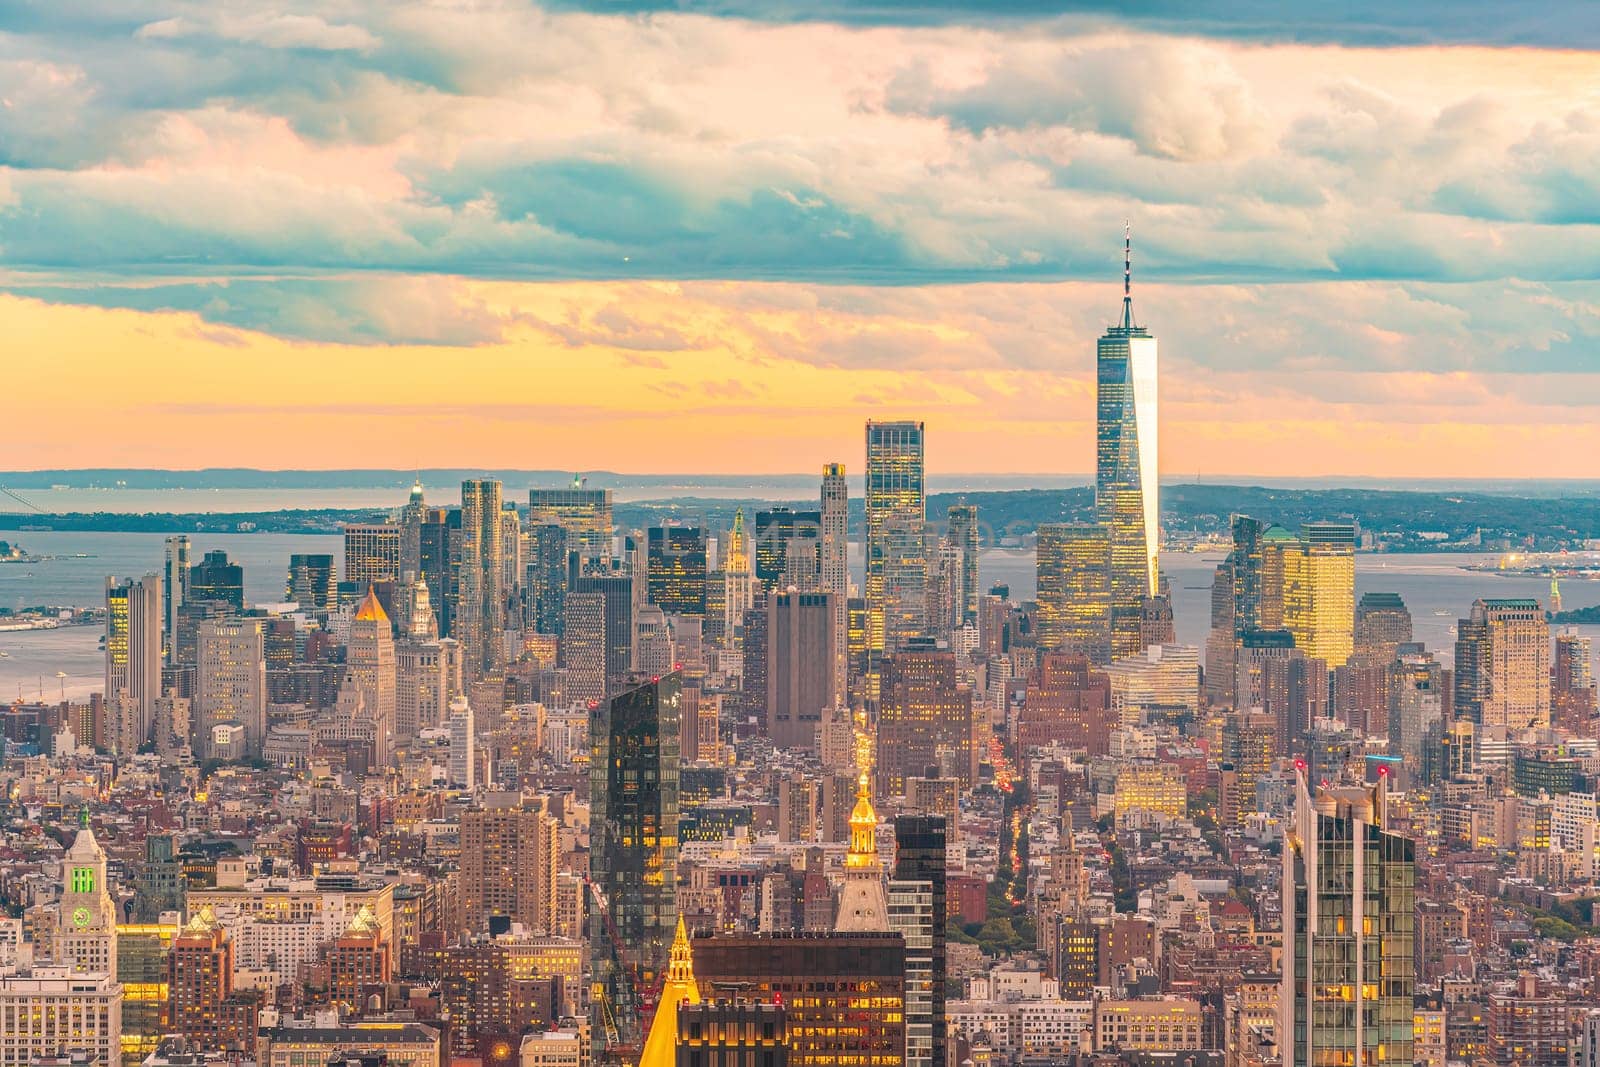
[546, 578]
[618, 592]
[780, 531]
[633, 859]
[214, 578]
[919, 856]
[677, 569]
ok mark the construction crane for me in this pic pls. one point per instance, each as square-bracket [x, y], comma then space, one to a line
[618, 1050]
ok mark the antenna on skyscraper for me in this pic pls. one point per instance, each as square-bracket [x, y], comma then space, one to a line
[1127, 275]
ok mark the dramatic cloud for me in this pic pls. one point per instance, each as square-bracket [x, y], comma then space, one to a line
[1386, 214]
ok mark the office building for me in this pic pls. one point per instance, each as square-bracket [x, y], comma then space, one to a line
[230, 687]
[911, 915]
[311, 582]
[412, 515]
[1162, 682]
[1067, 702]
[214, 578]
[618, 600]
[133, 658]
[370, 662]
[1382, 625]
[545, 577]
[86, 918]
[1416, 703]
[1502, 666]
[49, 1011]
[584, 513]
[925, 715]
[677, 569]
[427, 677]
[725, 620]
[510, 552]
[732, 1033]
[371, 553]
[844, 993]
[1318, 589]
[583, 647]
[961, 531]
[896, 511]
[787, 548]
[800, 666]
[834, 569]
[1572, 689]
[439, 563]
[174, 591]
[1127, 490]
[480, 616]
[633, 859]
[1348, 905]
[1074, 589]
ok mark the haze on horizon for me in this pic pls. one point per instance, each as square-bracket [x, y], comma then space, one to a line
[729, 233]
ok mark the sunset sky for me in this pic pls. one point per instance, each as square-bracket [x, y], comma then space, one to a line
[718, 236]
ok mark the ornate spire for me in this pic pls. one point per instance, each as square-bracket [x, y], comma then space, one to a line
[738, 560]
[680, 968]
[863, 818]
[371, 609]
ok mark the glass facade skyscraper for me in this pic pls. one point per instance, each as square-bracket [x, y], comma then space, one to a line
[677, 569]
[633, 858]
[1348, 899]
[1127, 493]
[896, 511]
[1074, 589]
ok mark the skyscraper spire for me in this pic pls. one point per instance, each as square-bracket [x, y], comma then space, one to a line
[1127, 275]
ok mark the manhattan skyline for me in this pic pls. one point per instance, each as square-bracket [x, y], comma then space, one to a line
[1363, 243]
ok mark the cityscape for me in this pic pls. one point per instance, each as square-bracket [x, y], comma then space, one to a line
[781, 734]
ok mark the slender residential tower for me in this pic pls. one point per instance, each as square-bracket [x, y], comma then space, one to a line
[835, 569]
[1126, 490]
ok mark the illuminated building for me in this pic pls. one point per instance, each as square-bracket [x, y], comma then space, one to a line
[174, 591]
[786, 547]
[800, 666]
[1318, 589]
[1416, 702]
[1348, 918]
[510, 856]
[679, 990]
[133, 657]
[1163, 679]
[86, 918]
[463, 725]
[1067, 701]
[1502, 666]
[1074, 589]
[834, 569]
[371, 553]
[360, 961]
[844, 992]
[480, 613]
[924, 711]
[862, 905]
[1527, 1028]
[401, 1044]
[510, 549]
[677, 569]
[498, 988]
[49, 1010]
[214, 578]
[633, 858]
[1150, 787]
[142, 950]
[1248, 750]
[584, 513]
[738, 588]
[370, 660]
[439, 558]
[553, 1048]
[311, 582]
[1165, 1024]
[230, 682]
[911, 914]
[412, 515]
[200, 979]
[1572, 690]
[726, 1033]
[1127, 490]
[962, 531]
[896, 510]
